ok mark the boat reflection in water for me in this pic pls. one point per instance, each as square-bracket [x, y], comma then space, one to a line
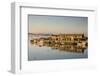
[63, 47]
[58, 47]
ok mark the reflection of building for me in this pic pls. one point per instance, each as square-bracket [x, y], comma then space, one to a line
[76, 42]
[69, 48]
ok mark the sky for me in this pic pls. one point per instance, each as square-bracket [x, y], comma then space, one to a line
[57, 24]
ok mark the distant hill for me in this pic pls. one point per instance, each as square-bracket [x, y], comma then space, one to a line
[39, 34]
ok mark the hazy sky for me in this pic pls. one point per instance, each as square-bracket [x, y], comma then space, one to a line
[57, 24]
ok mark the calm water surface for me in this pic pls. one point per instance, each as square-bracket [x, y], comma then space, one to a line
[47, 53]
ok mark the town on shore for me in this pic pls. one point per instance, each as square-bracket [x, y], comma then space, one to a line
[72, 42]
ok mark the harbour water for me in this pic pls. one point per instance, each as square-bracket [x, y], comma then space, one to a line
[36, 52]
